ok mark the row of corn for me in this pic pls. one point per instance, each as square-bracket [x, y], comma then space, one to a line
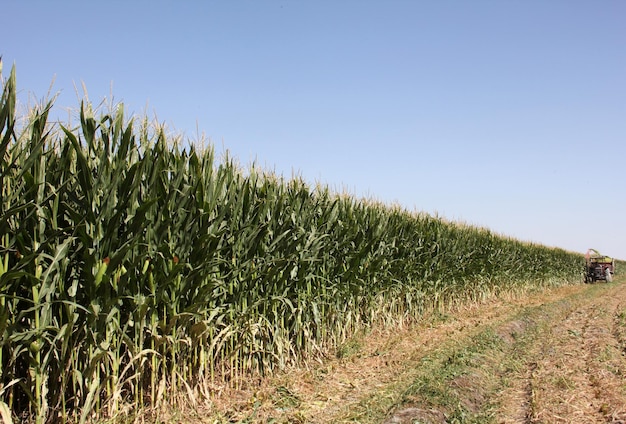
[134, 266]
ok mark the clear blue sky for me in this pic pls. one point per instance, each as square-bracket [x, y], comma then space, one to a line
[507, 114]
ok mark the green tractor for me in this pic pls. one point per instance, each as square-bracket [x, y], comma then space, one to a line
[598, 267]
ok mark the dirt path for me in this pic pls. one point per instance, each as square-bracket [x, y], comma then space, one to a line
[552, 357]
[576, 371]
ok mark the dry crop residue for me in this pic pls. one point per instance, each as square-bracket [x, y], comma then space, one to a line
[576, 372]
[562, 362]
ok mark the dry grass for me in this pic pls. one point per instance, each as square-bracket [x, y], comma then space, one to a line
[368, 380]
[576, 372]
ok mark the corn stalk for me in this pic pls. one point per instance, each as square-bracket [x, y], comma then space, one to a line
[134, 265]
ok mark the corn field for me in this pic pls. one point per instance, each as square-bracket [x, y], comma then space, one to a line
[134, 266]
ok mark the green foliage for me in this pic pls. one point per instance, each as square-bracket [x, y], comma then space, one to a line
[129, 263]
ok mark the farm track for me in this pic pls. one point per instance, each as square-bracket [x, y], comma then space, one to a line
[576, 370]
[553, 357]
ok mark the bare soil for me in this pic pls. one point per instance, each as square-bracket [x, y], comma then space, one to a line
[558, 356]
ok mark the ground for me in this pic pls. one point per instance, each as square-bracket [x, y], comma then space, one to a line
[556, 356]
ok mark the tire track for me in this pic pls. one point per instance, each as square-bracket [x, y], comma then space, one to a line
[575, 371]
[553, 357]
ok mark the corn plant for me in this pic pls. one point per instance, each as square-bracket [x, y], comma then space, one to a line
[134, 265]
